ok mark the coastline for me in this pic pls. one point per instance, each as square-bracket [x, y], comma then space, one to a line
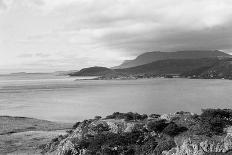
[166, 134]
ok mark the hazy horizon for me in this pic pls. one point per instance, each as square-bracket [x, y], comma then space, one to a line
[62, 35]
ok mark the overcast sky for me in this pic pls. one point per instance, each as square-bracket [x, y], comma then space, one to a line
[49, 35]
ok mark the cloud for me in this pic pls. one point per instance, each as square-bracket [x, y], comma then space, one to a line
[136, 26]
[2, 5]
[103, 32]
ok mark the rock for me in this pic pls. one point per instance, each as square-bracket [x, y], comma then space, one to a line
[67, 148]
[168, 117]
[190, 147]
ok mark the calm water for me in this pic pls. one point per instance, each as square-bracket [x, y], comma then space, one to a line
[59, 98]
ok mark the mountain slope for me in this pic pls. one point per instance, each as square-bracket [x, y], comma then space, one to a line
[156, 56]
[93, 71]
[221, 69]
[171, 66]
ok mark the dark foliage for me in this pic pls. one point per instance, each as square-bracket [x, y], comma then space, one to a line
[154, 115]
[172, 129]
[149, 146]
[97, 117]
[76, 125]
[164, 146]
[101, 128]
[157, 126]
[107, 142]
[127, 116]
[213, 121]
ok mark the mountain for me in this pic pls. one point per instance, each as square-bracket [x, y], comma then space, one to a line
[156, 56]
[212, 67]
[157, 68]
[170, 66]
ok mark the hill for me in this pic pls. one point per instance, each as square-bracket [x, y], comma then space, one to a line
[221, 69]
[171, 66]
[156, 56]
[93, 71]
[207, 68]
[181, 133]
[21, 135]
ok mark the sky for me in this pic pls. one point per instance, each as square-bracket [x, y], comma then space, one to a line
[53, 35]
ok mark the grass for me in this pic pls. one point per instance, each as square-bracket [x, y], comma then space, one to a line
[22, 135]
[9, 125]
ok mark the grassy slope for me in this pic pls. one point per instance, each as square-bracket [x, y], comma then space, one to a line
[21, 135]
[10, 124]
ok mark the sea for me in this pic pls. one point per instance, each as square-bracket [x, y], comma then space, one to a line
[71, 99]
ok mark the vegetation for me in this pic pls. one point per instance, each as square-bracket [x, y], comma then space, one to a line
[100, 128]
[157, 126]
[148, 136]
[92, 71]
[173, 130]
[213, 121]
[127, 116]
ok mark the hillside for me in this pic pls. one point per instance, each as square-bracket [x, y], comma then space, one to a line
[21, 135]
[181, 133]
[93, 71]
[156, 56]
[207, 68]
[221, 69]
[171, 66]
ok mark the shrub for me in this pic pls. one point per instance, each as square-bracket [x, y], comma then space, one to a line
[97, 117]
[213, 121]
[172, 129]
[164, 146]
[157, 126]
[149, 146]
[76, 125]
[69, 131]
[100, 128]
[154, 115]
[127, 116]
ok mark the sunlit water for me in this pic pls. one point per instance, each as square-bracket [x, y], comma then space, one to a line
[63, 99]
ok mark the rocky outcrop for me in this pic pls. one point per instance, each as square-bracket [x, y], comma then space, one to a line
[145, 136]
[68, 146]
[192, 147]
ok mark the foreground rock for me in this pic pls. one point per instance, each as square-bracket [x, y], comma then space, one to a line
[181, 133]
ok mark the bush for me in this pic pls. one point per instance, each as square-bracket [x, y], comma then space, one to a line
[213, 121]
[100, 128]
[154, 115]
[172, 129]
[157, 126]
[76, 125]
[127, 116]
[164, 146]
[97, 117]
[149, 146]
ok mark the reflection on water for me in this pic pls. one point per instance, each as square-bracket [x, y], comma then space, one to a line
[60, 98]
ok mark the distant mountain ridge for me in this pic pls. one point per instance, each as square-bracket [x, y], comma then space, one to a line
[156, 56]
[170, 66]
[215, 65]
